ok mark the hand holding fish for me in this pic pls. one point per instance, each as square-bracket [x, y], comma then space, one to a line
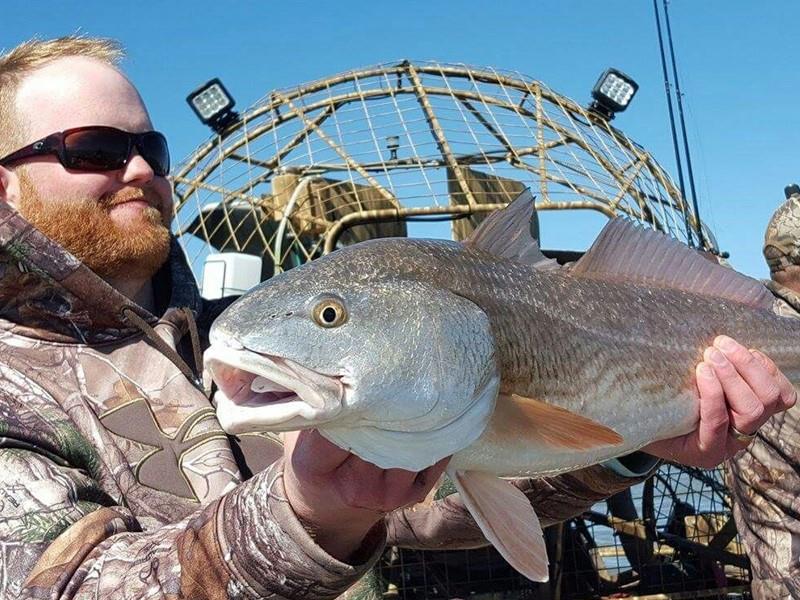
[341, 497]
[738, 389]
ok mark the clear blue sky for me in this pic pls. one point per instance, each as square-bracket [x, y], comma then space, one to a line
[739, 66]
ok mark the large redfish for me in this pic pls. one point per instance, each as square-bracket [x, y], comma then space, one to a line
[405, 351]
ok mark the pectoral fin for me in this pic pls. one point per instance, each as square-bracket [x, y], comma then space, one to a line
[507, 519]
[554, 426]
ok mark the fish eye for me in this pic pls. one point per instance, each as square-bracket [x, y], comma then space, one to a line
[329, 313]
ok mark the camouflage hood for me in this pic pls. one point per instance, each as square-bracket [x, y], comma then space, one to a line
[782, 238]
[47, 293]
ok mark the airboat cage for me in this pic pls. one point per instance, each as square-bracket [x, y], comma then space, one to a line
[375, 147]
[385, 151]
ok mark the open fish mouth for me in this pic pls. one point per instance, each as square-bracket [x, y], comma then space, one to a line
[260, 392]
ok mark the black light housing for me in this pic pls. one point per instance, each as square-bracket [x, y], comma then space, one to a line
[393, 144]
[612, 93]
[213, 105]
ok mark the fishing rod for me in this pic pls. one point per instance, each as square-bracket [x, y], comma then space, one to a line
[667, 90]
[687, 155]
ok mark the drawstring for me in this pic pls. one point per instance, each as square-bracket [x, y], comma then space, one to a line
[167, 350]
[194, 336]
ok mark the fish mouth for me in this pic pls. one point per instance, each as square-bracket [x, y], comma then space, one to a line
[262, 392]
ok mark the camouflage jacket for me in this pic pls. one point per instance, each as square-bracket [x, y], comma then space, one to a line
[765, 483]
[115, 477]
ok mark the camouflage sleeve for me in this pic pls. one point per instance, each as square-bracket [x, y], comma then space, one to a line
[59, 540]
[764, 480]
[446, 523]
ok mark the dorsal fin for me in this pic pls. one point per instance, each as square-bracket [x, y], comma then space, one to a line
[507, 233]
[627, 252]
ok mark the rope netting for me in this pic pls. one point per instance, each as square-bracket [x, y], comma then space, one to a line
[388, 149]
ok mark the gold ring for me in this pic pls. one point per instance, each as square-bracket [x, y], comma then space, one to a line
[743, 437]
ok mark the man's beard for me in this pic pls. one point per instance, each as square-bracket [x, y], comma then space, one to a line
[85, 228]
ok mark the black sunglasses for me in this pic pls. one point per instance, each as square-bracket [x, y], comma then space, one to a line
[98, 148]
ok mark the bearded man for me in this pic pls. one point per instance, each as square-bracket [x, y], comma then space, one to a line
[114, 472]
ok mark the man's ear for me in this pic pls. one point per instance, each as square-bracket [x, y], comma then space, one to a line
[9, 187]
